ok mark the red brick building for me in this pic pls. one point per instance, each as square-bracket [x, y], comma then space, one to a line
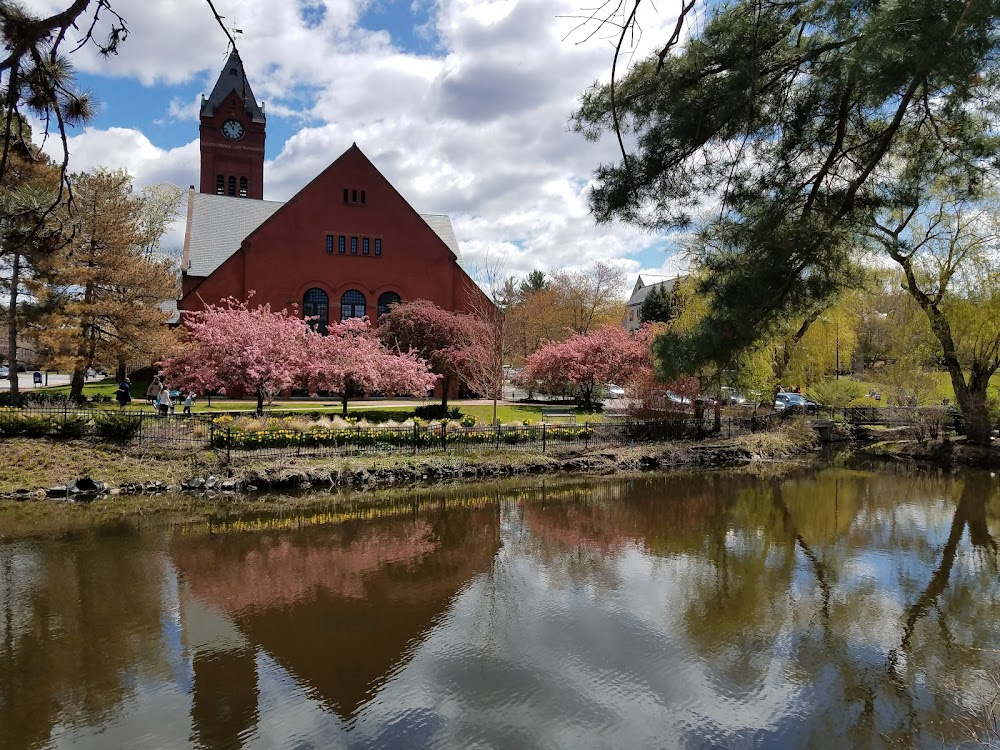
[346, 245]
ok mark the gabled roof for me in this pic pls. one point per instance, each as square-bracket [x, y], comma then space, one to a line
[233, 78]
[218, 224]
[641, 292]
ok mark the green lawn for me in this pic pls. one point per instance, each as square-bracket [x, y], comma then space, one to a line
[506, 413]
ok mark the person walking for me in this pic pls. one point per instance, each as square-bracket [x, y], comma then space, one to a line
[188, 403]
[124, 393]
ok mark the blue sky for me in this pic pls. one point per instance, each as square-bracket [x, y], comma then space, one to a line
[462, 104]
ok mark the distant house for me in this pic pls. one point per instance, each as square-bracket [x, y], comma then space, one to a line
[639, 293]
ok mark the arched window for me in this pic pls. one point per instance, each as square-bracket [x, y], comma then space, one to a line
[220, 185]
[352, 305]
[232, 185]
[315, 304]
[243, 187]
[387, 300]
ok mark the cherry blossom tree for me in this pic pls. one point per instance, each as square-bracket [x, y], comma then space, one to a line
[579, 364]
[447, 340]
[234, 348]
[352, 358]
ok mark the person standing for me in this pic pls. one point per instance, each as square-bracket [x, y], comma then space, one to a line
[153, 392]
[163, 402]
[188, 403]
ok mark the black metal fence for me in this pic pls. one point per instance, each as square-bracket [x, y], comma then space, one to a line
[152, 432]
[176, 432]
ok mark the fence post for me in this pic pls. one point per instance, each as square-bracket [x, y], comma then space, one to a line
[415, 428]
[229, 442]
[211, 432]
[140, 426]
[65, 413]
[586, 435]
[543, 437]
[498, 435]
[444, 435]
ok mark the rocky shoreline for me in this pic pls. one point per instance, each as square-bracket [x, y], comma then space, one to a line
[339, 473]
[396, 472]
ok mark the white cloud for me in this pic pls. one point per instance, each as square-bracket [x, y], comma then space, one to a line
[477, 130]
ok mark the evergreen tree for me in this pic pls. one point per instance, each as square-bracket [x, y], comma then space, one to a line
[532, 283]
[660, 306]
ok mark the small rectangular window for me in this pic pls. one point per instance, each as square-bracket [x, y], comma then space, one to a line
[364, 246]
[362, 197]
[341, 244]
[345, 195]
[354, 196]
[354, 245]
[378, 245]
[329, 243]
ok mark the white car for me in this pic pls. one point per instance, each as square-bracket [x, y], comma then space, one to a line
[4, 371]
[615, 391]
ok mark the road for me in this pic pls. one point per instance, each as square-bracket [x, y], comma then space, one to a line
[25, 383]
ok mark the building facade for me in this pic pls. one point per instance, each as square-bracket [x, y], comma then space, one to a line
[346, 245]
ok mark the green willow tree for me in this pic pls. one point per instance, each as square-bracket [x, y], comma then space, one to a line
[779, 131]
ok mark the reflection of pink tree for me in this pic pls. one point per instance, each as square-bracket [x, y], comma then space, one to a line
[351, 357]
[231, 347]
[584, 361]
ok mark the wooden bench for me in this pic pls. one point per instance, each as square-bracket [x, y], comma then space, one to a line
[550, 413]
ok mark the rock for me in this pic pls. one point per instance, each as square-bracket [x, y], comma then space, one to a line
[228, 485]
[251, 488]
[86, 486]
[195, 483]
[212, 482]
[59, 490]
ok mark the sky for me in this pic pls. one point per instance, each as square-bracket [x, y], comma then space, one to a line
[463, 105]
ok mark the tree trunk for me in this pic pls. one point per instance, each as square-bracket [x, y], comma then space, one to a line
[260, 401]
[445, 387]
[971, 399]
[343, 398]
[15, 278]
[121, 371]
[76, 384]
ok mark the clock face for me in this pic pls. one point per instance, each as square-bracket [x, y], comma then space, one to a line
[232, 129]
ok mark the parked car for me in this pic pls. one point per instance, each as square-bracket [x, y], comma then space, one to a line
[4, 371]
[794, 402]
[615, 391]
[732, 396]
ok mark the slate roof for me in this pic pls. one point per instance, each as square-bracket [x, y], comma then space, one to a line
[220, 223]
[169, 306]
[639, 295]
[233, 78]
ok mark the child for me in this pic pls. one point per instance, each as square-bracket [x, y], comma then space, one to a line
[188, 402]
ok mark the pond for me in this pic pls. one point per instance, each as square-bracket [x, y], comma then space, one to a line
[828, 608]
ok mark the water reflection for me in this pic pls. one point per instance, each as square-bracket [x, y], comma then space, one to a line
[831, 609]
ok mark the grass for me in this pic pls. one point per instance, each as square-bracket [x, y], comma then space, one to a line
[506, 413]
[29, 463]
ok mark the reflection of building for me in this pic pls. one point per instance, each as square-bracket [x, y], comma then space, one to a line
[338, 607]
[640, 291]
[346, 245]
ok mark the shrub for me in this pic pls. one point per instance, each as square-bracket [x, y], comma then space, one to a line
[72, 427]
[434, 411]
[866, 402]
[468, 421]
[836, 392]
[118, 425]
[13, 422]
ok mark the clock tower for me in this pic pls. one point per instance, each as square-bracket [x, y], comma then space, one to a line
[232, 136]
